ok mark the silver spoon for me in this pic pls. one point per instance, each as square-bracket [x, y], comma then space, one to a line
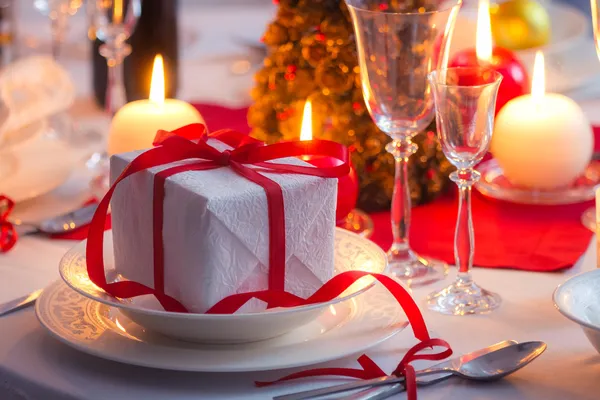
[60, 224]
[379, 393]
[491, 366]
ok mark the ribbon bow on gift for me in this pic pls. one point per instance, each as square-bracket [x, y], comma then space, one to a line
[8, 234]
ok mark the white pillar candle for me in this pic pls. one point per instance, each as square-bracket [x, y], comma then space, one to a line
[542, 141]
[134, 126]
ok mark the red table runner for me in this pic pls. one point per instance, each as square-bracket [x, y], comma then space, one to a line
[507, 235]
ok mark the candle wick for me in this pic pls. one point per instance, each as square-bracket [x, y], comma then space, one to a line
[157, 103]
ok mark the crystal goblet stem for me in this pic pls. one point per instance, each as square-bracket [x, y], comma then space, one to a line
[464, 237]
[115, 54]
[400, 252]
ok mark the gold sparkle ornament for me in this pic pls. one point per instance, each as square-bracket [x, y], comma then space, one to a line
[520, 24]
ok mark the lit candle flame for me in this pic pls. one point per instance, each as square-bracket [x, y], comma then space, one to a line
[157, 85]
[483, 44]
[538, 80]
[306, 129]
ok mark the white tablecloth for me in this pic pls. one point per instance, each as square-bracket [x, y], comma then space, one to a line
[35, 366]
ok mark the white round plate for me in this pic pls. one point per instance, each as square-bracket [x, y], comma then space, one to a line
[578, 299]
[35, 169]
[345, 329]
[352, 252]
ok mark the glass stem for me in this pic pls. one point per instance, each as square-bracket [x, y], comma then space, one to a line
[115, 92]
[464, 237]
[115, 53]
[401, 201]
[58, 28]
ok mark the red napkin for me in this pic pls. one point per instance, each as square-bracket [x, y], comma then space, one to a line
[507, 235]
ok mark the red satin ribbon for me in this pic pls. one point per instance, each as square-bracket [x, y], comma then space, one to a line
[370, 370]
[8, 234]
[179, 145]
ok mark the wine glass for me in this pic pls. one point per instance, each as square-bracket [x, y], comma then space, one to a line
[465, 100]
[115, 21]
[59, 12]
[399, 43]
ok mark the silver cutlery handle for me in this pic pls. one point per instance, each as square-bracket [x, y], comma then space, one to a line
[385, 392]
[377, 392]
[308, 394]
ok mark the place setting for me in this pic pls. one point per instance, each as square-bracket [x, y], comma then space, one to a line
[405, 209]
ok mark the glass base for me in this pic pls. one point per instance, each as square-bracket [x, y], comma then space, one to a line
[588, 219]
[358, 222]
[462, 298]
[415, 270]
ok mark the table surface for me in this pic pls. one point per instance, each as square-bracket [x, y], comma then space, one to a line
[36, 366]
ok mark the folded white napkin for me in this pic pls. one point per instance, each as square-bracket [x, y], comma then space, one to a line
[32, 89]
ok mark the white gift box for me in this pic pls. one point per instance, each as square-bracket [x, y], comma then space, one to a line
[216, 232]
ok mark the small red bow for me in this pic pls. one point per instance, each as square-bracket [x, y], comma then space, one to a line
[370, 370]
[8, 234]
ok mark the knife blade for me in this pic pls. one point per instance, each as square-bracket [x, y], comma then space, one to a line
[19, 303]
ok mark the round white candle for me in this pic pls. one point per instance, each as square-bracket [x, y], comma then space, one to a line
[135, 125]
[542, 141]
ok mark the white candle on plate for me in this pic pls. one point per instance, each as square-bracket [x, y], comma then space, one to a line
[134, 126]
[542, 141]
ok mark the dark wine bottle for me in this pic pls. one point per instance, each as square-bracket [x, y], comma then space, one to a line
[156, 32]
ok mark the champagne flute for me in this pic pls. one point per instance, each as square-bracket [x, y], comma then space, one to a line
[465, 100]
[399, 43]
